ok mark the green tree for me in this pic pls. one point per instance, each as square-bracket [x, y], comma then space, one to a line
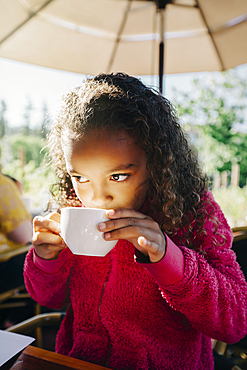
[217, 111]
[45, 120]
[36, 180]
[3, 122]
[27, 117]
[32, 146]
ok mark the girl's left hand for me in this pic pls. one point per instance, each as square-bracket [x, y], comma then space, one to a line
[141, 230]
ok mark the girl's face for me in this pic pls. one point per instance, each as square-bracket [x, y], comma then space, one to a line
[107, 170]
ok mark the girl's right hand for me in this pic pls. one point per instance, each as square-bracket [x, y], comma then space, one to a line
[46, 239]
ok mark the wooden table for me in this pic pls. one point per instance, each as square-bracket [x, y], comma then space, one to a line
[33, 358]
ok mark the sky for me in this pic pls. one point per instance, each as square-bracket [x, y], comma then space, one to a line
[21, 81]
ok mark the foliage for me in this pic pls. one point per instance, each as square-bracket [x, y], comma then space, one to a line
[36, 180]
[45, 120]
[32, 172]
[27, 117]
[233, 202]
[3, 122]
[33, 122]
[212, 154]
[31, 145]
[216, 112]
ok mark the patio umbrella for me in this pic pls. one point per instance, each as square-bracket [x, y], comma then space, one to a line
[96, 36]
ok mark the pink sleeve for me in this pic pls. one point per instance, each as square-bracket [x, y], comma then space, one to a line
[212, 293]
[51, 266]
[47, 282]
[205, 283]
[170, 269]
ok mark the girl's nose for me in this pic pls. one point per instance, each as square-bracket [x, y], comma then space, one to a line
[101, 198]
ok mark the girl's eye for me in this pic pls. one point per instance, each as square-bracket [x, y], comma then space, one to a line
[80, 179]
[119, 177]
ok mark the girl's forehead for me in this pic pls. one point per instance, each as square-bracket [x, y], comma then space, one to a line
[114, 147]
[99, 137]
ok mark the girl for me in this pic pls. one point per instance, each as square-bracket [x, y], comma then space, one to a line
[172, 282]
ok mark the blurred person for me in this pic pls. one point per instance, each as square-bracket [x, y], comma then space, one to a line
[17, 182]
[15, 231]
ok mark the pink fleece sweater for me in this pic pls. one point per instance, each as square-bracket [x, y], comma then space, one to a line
[134, 315]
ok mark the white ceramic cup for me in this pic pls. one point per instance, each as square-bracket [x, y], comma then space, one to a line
[79, 231]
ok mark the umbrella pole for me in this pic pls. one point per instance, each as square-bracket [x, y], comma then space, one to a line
[161, 51]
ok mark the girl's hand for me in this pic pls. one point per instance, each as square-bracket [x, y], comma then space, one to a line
[137, 228]
[46, 239]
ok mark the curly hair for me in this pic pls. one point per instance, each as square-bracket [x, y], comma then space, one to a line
[121, 102]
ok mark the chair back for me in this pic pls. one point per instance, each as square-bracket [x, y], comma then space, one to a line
[240, 247]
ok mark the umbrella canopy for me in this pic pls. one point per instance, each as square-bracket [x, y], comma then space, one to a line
[96, 36]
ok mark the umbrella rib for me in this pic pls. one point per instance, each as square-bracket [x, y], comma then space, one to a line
[210, 34]
[32, 14]
[118, 38]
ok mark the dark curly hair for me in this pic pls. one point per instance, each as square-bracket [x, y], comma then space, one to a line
[121, 102]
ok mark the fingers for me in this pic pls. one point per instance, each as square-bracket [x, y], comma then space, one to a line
[126, 224]
[123, 213]
[54, 216]
[155, 251]
[124, 230]
[46, 239]
[50, 222]
[47, 230]
[149, 241]
[139, 229]
[136, 225]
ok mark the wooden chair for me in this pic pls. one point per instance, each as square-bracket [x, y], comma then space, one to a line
[18, 297]
[5, 256]
[35, 325]
[15, 291]
[240, 247]
[13, 294]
